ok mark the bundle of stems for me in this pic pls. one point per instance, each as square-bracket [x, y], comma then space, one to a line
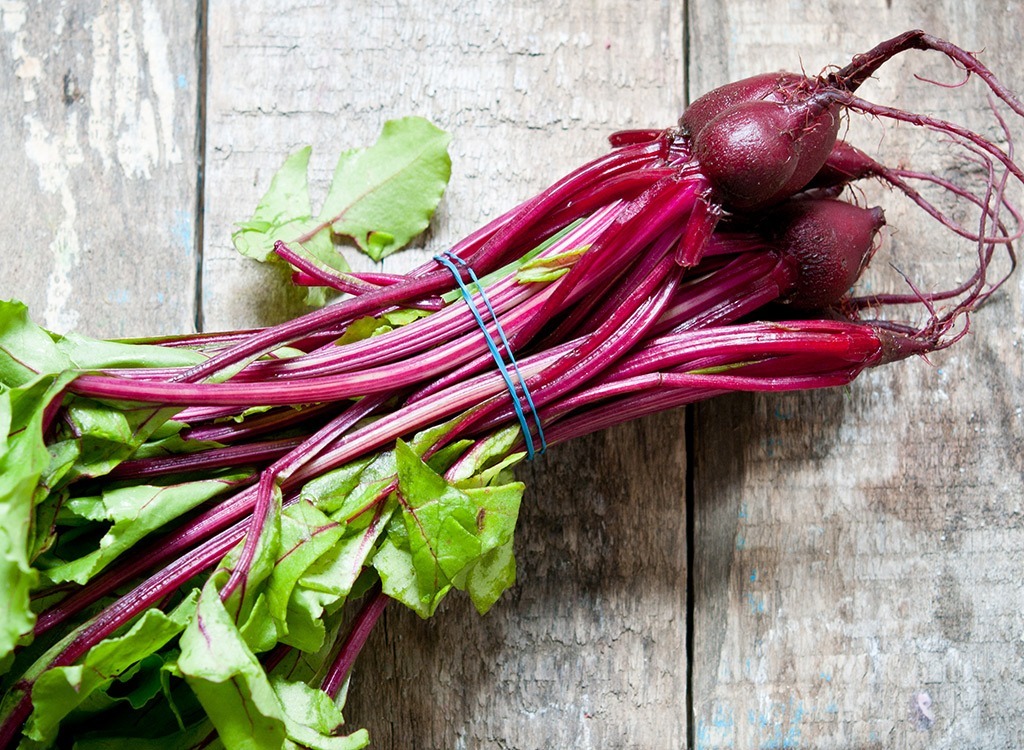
[262, 479]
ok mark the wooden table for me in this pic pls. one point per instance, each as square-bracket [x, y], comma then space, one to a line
[834, 569]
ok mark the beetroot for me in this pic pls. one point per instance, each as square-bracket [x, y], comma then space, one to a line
[830, 242]
[765, 138]
[647, 279]
[762, 139]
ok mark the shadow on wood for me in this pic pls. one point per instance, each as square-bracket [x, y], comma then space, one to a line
[588, 649]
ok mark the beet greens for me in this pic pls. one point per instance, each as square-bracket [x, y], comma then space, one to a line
[190, 521]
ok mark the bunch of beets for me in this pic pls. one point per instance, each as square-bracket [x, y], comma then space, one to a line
[363, 452]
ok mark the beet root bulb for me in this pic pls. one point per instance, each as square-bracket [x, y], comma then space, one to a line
[830, 243]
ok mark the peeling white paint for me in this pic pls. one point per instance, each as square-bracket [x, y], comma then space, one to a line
[126, 127]
[28, 68]
[133, 133]
[161, 79]
[54, 157]
[100, 123]
[132, 90]
[31, 68]
[12, 15]
[138, 147]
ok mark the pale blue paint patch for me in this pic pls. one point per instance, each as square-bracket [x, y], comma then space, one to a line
[719, 732]
[793, 733]
[756, 603]
[182, 228]
[826, 676]
[182, 81]
[702, 736]
[722, 718]
[743, 510]
[741, 542]
[831, 708]
[753, 576]
[780, 727]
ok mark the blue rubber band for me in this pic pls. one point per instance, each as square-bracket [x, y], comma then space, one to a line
[446, 261]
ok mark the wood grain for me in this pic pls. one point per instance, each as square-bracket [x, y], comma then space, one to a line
[856, 553]
[99, 148]
[524, 98]
[857, 580]
[589, 649]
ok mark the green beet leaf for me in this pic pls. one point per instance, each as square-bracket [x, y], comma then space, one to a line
[514, 266]
[551, 268]
[328, 581]
[313, 719]
[24, 460]
[490, 460]
[306, 535]
[383, 196]
[144, 682]
[491, 576]
[439, 519]
[246, 602]
[167, 441]
[91, 354]
[26, 350]
[400, 580]
[192, 738]
[34, 368]
[445, 533]
[348, 488]
[58, 691]
[247, 709]
[285, 212]
[227, 678]
[380, 197]
[497, 510]
[97, 436]
[104, 436]
[133, 512]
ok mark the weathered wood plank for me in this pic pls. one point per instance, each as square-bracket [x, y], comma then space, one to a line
[525, 98]
[589, 649]
[99, 105]
[858, 554]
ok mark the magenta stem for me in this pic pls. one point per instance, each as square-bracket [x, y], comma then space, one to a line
[361, 628]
